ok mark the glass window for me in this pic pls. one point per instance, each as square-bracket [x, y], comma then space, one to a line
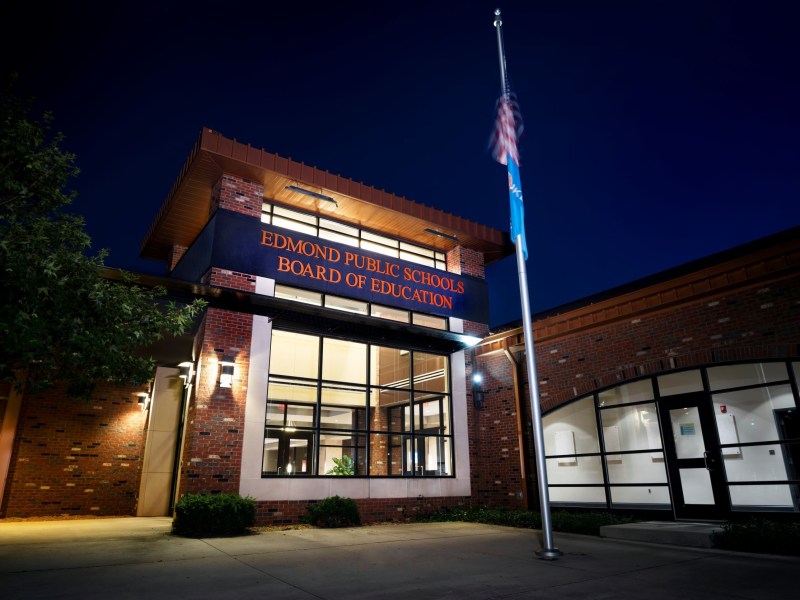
[731, 376]
[294, 225]
[630, 428]
[380, 239]
[342, 454]
[338, 238]
[416, 258]
[750, 415]
[281, 389]
[386, 455]
[430, 372]
[338, 227]
[294, 215]
[363, 415]
[578, 470]
[576, 417]
[622, 496]
[266, 213]
[389, 367]
[429, 321]
[378, 248]
[288, 440]
[682, 382]
[764, 497]
[344, 361]
[294, 354]
[298, 295]
[351, 236]
[346, 304]
[392, 314]
[341, 395]
[578, 495]
[417, 250]
[636, 391]
[641, 467]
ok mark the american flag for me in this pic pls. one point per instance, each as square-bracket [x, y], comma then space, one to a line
[508, 129]
[503, 145]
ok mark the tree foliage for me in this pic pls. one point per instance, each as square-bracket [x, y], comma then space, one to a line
[60, 319]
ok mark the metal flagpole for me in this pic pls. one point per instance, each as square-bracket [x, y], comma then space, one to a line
[549, 552]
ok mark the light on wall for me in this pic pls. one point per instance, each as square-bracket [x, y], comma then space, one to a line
[226, 373]
[477, 392]
[186, 372]
[144, 400]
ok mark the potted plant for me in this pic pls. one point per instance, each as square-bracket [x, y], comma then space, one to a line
[343, 466]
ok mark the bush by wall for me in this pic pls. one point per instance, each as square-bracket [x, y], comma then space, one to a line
[207, 515]
[333, 511]
[587, 523]
[760, 535]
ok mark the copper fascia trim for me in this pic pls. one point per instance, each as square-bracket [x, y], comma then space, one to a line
[750, 270]
[248, 162]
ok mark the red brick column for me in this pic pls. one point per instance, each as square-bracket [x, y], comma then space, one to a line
[212, 453]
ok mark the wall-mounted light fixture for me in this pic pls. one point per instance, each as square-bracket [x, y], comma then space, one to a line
[477, 392]
[143, 400]
[316, 195]
[186, 372]
[226, 372]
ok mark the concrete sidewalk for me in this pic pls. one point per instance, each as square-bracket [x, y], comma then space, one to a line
[139, 558]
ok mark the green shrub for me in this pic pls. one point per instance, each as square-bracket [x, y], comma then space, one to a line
[209, 515]
[333, 511]
[588, 523]
[760, 535]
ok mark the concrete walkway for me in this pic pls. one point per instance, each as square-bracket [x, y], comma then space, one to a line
[139, 558]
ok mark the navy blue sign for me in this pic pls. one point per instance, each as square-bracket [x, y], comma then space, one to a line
[243, 244]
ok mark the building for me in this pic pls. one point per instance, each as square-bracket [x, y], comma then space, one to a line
[331, 359]
[676, 395]
[337, 353]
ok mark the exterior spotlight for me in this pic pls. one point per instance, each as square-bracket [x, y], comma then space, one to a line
[226, 373]
[144, 400]
[186, 372]
[316, 195]
[477, 392]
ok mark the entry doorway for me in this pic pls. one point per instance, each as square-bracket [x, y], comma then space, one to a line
[694, 460]
[288, 452]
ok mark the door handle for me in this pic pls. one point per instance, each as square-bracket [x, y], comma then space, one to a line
[709, 461]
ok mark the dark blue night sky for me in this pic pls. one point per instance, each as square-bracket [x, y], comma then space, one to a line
[656, 132]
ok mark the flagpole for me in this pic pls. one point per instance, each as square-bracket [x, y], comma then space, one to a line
[549, 552]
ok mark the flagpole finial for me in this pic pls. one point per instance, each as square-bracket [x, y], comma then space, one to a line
[497, 20]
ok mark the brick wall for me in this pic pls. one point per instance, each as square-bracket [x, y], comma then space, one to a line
[371, 510]
[238, 195]
[212, 453]
[755, 322]
[465, 262]
[740, 325]
[76, 457]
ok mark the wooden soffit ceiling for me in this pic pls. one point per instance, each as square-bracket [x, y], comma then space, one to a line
[185, 211]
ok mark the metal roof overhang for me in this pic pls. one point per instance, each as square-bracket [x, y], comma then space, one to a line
[296, 316]
[186, 208]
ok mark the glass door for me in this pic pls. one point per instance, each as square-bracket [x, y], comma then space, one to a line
[288, 452]
[694, 461]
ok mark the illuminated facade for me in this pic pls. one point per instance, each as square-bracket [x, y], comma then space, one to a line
[337, 353]
[676, 395]
[344, 332]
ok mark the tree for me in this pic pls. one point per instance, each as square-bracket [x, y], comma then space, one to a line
[61, 321]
